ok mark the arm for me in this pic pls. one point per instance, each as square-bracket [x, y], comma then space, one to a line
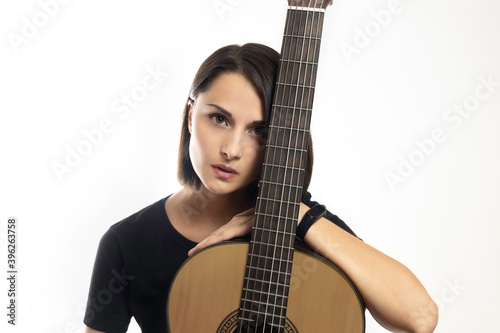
[111, 312]
[392, 293]
[90, 330]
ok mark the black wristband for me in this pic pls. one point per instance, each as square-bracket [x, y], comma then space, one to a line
[312, 215]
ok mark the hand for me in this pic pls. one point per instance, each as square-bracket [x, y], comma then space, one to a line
[240, 225]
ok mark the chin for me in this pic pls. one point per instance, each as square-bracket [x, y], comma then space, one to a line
[224, 188]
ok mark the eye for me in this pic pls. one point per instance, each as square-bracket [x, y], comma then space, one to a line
[218, 119]
[259, 131]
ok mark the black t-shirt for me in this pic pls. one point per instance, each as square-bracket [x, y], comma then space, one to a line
[136, 262]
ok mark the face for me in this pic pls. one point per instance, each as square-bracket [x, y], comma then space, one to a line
[227, 124]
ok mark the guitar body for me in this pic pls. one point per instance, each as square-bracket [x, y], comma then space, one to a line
[206, 293]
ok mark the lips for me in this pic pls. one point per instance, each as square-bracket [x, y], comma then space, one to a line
[224, 171]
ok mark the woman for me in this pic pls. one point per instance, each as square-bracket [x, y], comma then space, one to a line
[220, 158]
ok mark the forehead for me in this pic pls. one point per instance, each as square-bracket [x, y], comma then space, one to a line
[236, 94]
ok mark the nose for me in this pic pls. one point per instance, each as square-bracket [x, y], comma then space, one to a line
[232, 146]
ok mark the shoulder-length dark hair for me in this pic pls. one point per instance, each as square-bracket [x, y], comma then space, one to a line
[259, 65]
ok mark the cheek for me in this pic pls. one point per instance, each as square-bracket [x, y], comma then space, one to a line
[203, 143]
[196, 146]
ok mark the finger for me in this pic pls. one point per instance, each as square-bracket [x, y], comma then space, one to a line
[210, 240]
[217, 237]
[236, 228]
[197, 248]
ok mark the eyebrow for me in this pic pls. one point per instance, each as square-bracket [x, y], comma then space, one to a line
[229, 114]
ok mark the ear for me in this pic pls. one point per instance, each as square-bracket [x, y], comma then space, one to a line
[190, 106]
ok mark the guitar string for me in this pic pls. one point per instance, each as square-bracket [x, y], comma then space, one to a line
[285, 71]
[302, 120]
[296, 70]
[316, 22]
[297, 77]
[310, 94]
[266, 203]
[303, 139]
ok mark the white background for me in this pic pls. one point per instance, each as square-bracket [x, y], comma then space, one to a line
[440, 218]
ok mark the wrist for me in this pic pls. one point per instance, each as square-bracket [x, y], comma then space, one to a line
[308, 218]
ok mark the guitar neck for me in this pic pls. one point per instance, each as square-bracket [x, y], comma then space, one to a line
[269, 262]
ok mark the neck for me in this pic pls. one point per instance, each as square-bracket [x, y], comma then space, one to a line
[215, 209]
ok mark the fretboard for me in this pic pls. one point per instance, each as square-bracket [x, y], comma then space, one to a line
[269, 264]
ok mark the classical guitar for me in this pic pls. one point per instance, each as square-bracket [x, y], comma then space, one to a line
[269, 285]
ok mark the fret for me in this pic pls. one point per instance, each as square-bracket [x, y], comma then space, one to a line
[275, 294]
[295, 118]
[281, 155]
[302, 50]
[281, 184]
[272, 317]
[250, 320]
[296, 97]
[298, 75]
[304, 37]
[283, 167]
[286, 151]
[274, 289]
[289, 203]
[309, 63]
[267, 258]
[289, 174]
[281, 194]
[268, 282]
[268, 255]
[274, 272]
[273, 246]
[277, 271]
[294, 85]
[264, 303]
[269, 250]
[287, 233]
[267, 205]
[288, 139]
[278, 192]
[277, 217]
[290, 143]
[274, 249]
[287, 148]
[288, 128]
[293, 107]
[256, 312]
[269, 271]
[274, 253]
[276, 175]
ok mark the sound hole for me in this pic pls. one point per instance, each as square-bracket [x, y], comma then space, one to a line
[230, 325]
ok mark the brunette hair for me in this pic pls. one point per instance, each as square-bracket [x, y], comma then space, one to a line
[259, 65]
